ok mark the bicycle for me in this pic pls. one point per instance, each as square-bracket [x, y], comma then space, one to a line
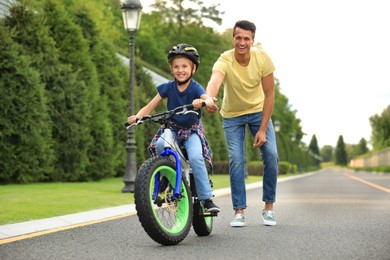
[165, 192]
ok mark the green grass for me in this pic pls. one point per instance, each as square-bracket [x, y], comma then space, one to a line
[21, 203]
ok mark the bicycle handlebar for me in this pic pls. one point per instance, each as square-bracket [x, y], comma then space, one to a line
[165, 116]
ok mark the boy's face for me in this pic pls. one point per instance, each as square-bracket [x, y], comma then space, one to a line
[182, 68]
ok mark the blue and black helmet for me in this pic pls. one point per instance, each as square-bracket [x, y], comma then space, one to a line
[185, 50]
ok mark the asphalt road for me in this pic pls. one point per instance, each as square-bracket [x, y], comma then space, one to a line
[333, 214]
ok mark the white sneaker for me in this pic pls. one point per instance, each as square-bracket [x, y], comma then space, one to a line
[238, 221]
[268, 218]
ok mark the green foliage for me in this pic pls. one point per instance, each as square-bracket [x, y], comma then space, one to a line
[26, 153]
[361, 147]
[66, 51]
[255, 168]
[284, 168]
[313, 148]
[148, 48]
[380, 125]
[178, 16]
[341, 157]
[326, 153]
[70, 59]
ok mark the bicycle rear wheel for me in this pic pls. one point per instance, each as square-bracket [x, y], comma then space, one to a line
[165, 219]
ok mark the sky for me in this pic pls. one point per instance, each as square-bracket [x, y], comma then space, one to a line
[332, 59]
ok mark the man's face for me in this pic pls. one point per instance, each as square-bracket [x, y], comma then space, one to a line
[242, 40]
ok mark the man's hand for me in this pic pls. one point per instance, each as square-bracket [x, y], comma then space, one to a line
[210, 104]
[260, 139]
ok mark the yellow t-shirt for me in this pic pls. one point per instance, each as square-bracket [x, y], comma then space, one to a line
[243, 91]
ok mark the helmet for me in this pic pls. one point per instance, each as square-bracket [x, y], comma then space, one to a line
[186, 50]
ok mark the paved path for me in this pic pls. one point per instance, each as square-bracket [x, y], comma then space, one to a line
[85, 218]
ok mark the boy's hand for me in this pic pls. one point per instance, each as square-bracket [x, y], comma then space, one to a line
[197, 103]
[132, 119]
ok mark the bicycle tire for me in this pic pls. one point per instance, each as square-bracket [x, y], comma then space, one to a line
[202, 224]
[165, 220]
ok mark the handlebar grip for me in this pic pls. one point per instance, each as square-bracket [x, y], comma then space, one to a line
[191, 107]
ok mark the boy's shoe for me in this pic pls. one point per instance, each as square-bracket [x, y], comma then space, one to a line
[238, 221]
[268, 218]
[210, 206]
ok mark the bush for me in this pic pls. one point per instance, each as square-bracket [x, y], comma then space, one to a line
[221, 167]
[255, 168]
[284, 168]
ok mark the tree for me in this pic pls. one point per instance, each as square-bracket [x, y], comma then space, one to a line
[26, 153]
[314, 151]
[178, 13]
[73, 107]
[380, 125]
[341, 157]
[360, 148]
[326, 153]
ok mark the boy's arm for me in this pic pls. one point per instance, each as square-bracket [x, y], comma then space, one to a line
[146, 110]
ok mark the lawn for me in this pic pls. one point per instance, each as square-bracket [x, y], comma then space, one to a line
[21, 202]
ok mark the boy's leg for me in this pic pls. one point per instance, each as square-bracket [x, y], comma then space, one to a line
[195, 155]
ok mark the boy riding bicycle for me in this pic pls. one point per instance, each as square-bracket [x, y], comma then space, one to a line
[187, 129]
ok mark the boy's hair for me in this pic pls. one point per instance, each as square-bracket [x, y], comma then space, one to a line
[245, 25]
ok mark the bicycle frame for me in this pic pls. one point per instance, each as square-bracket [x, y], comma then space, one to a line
[171, 147]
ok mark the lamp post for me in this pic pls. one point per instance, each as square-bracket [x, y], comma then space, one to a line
[277, 126]
[292, 152]
[131, 13]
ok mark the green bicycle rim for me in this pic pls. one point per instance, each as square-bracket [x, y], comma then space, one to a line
[182, 215]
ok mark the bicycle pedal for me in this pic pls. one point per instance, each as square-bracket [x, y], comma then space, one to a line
[210, 214]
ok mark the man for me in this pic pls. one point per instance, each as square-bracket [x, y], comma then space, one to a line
[247, 75]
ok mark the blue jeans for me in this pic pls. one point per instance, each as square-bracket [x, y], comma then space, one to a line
[235, 136]
[197, 162]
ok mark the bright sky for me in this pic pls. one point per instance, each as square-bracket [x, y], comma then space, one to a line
[332, 59]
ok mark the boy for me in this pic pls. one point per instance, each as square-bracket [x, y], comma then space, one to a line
[183, 61]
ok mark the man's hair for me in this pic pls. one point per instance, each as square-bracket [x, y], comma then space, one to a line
[245, 25]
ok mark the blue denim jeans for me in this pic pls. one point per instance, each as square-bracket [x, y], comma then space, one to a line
[194, 149]
[235, 136]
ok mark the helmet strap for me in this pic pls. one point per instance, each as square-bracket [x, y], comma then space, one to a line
[179, 83]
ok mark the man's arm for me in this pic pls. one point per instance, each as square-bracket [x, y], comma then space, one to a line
[268, 83]
[213, 87]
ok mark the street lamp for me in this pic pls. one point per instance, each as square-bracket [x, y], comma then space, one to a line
[292, 152]
[131, 13]
[277, 126]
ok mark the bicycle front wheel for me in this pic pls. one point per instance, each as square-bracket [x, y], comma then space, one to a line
[167, 220]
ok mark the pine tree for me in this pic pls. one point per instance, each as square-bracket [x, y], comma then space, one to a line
[314, 150]
[70, 98]
[25, 141]
[103, 155]
[341, 157]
